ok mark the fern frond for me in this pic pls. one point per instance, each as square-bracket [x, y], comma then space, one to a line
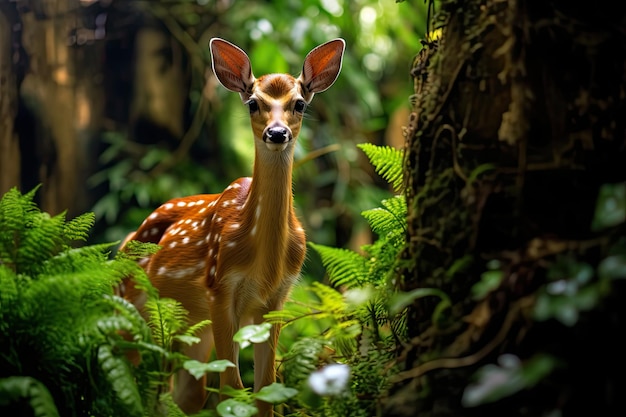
[16, 389]
[344, 266]
[118, 374]
[135, 250]
[302, 359]
[387, 162]
[389, 220]
[166, 318]
[78, 228]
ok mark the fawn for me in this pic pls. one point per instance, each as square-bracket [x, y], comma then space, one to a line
[233, 257]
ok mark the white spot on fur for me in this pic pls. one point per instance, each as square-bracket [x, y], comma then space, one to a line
[212, 271]
[199, 202]
[173, 244]
[218, 220]
[191, 204]
[234, 225]
[145, 233]
[194, 224]
[181, 204]
[257, 212]
[212, 203]
[153, 215]
[226, 203]
[231, 244]
[168, 206]
[161, 271]
[236, 185]
[185, 240]
[208, 237]
[187, 221]
[202, 210]
[253, 231]
[183, 232]
[143, 261]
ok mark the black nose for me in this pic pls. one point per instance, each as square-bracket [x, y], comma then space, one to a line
[278, 134]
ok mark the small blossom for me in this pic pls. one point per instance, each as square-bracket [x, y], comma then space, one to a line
[330, 380]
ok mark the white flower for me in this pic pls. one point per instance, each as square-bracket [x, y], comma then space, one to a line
[330, 380]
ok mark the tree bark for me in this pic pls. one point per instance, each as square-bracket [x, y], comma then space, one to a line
[519, 118]
[9, 142]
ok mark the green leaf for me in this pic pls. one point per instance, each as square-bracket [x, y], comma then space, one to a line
[186, 339]
[610, 207]
[234, 408]
[507, 378]
[197, 369]
[489, 281]
[613, 267]
[401, 300]
[254, 333]
[275, 393]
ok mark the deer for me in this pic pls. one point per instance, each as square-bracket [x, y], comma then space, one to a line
[233, 257]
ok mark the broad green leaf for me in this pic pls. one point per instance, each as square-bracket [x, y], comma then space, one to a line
[254, 333]
[186, 339]
[610, 207]
[402, 300]
[234, 408]
[197, 369]
[275, 393]
[507, 378]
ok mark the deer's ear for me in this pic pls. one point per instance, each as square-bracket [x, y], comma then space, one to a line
[322, 66]
[232, 67]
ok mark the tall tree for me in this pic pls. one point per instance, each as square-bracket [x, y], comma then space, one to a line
[516, 195]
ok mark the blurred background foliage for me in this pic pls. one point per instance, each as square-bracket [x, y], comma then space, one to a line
[148, 158]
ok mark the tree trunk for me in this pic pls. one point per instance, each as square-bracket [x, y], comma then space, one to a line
[61, 97]
[519, 119]
[9, 142]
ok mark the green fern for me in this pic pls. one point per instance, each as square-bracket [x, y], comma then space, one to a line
[344, 267]
[58, 317]
[362, 332]
[17, 389]
[387, 162]
[120, 378]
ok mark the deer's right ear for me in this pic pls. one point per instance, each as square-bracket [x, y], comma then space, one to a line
[232, 67]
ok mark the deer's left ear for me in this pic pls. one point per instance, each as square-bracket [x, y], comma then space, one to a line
[321, 67]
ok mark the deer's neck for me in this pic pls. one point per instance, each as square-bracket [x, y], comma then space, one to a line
[270, 200]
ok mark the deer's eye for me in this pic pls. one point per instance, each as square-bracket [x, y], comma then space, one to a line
[253, 106]
[300, 106]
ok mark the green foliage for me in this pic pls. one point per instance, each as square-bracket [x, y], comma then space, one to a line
[56, 315]
[575, 287]
[387, 162]
[21, 393]
[362, 313]
[64, 334]
[494, 382]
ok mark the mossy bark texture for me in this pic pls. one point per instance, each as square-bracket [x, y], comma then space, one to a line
[519, 119]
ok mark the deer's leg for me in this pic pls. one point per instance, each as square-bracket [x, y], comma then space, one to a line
[264, 366]
[225, 325]
[190, 393]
